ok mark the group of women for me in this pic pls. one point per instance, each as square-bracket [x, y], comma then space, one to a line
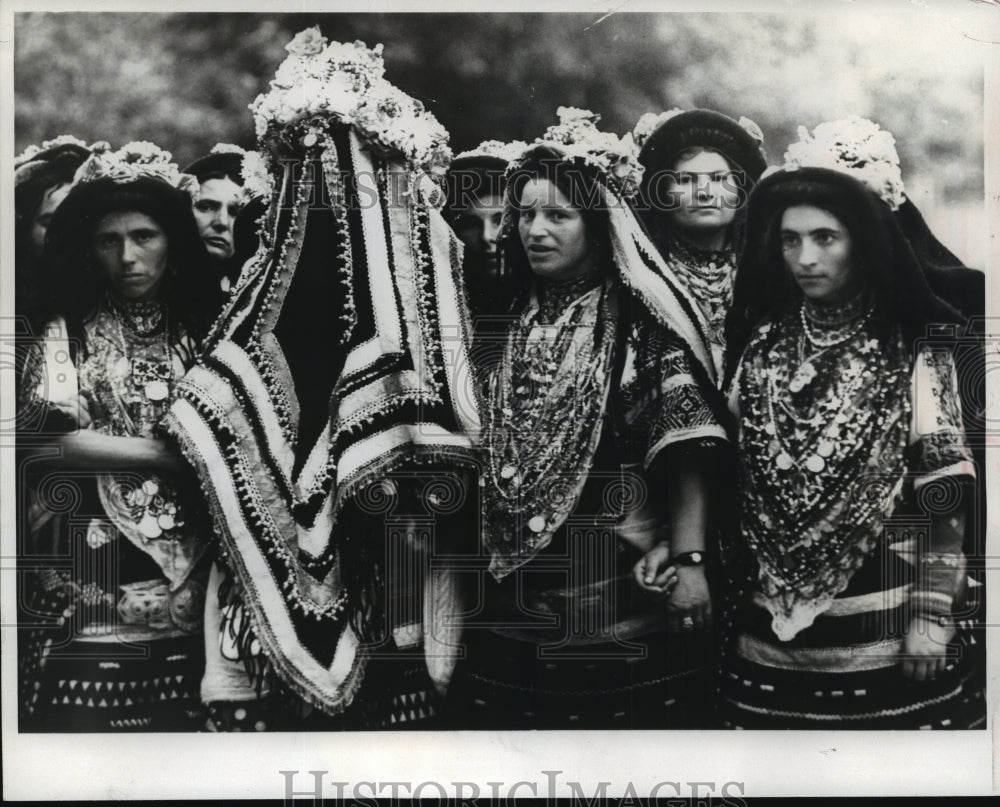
[708, 468]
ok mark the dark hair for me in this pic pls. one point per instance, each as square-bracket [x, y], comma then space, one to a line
[221, 165]
[709, 130]
[655, 217]
[28, 197]
[237, 179]
[764, 287]
[580, 184]
[73, 287]
[469, 180]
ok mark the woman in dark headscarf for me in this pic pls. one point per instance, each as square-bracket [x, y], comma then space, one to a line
[861, 148]
[216, 207]
[42, 178]
[474, 209]
[855, 473]
[699, 167]
[599, 441]
[130, 298]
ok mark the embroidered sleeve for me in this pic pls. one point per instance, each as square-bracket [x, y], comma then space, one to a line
[940, 579]
[667, 402]
[47, 376]
[940, 452]
[937, 438]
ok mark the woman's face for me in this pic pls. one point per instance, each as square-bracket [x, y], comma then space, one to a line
[553, 232]
[215, 211]
[816, 247]
[478, 227]
[703, 193]
[130, 250]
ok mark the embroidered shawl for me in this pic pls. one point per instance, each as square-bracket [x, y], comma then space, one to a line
[341, 356]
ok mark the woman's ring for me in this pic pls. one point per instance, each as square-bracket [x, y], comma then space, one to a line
[687, 623]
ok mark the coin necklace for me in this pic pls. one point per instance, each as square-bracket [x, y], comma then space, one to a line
[150, 376]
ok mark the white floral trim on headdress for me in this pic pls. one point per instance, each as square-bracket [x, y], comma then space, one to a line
[258, 182]
[752, 129]
[32, 151]
[577, 137]
[227, 148]
[136, 160]
[496, 149]
[319, 80]
[854, 146]
[650, 122]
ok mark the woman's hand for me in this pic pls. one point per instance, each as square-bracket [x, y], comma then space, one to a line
[78, 409]
[653, 572]
[689, 605]
[924, 648]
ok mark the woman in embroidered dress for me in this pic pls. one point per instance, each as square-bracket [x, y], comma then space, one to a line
[699, 167]
[42, 178]
[861, 148]
[855, 473]
[598, 443]
[130, 293]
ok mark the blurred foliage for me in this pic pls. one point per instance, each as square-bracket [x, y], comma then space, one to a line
[184, 80]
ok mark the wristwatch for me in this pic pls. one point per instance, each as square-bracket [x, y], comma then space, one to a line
[689, 559]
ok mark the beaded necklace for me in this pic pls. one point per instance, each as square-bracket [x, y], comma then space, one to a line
[830, 328]
[708, 275]
[554, 297]
[822, 459]
[546, 404]
[149, 376]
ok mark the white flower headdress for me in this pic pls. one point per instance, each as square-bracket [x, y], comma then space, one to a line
[495, 149]
[855, 146]
[320, 79]
[650, 122]
[31, 152]
[137, 160]
[577, 138]
[258, 182]
[227, 148]
[33, 160]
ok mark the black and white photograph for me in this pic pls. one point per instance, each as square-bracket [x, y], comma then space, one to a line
[527, 400]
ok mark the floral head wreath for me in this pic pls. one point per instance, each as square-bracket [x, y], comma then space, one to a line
[854, 146]
[577, 138]
[320, 80]
[133, 161]
[31, 152]
[227, 148]
[258, 182]
[34, 159]
[652, 121]
[494, 150]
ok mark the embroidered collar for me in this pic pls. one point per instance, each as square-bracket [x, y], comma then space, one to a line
[142, 318]
[555, 297]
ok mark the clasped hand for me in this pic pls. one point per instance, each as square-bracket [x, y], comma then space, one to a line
[685, 588]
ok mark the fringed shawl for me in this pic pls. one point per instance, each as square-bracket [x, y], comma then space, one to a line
[340, 357]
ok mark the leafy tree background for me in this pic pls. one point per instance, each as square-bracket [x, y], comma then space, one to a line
[184, 80]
